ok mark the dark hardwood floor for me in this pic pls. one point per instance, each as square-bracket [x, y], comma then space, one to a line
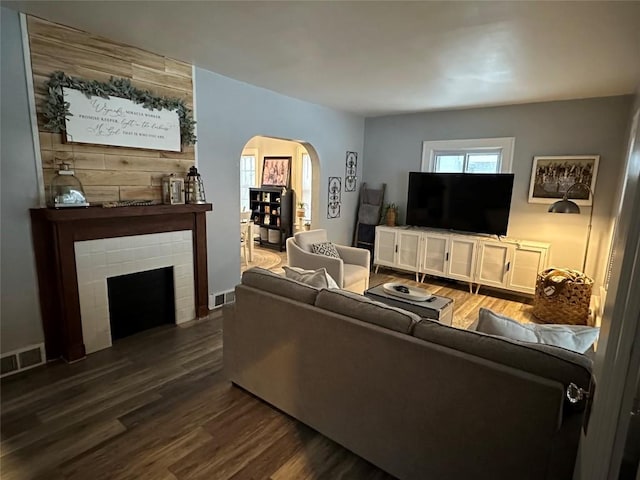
[157, 406]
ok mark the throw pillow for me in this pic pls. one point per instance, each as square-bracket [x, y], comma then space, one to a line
[315, 278]
[325, 248]
[279, 285]
[578, 338]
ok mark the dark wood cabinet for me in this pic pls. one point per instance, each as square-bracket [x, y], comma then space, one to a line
[272, 211]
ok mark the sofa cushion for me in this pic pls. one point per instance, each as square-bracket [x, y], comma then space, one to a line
[545, 360]
[577, 338]
[305, 239]
[367, 310]
[327, 249]
[268, 281]
[315, 278]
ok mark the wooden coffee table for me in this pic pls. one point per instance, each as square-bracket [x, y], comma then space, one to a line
[436, 308]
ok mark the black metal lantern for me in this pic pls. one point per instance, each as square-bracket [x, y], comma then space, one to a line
[194, 188]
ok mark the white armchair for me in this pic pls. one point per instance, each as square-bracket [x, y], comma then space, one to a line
[350, 271]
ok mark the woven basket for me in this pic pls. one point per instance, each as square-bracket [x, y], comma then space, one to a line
[562, 296]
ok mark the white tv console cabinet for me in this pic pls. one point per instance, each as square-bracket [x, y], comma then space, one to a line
[481, 260]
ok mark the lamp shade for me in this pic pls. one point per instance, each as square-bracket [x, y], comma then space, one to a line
[564, 206]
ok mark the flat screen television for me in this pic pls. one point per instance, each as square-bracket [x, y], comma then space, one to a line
[467, 202]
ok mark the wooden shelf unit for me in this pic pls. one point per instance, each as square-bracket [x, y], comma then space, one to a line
[272, 208]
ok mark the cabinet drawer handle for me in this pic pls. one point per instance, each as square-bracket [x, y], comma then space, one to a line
[396, 248]
[447, 257]
[508, 266]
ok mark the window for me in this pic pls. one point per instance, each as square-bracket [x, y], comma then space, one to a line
[484, 155]
[247, 178]
[467, 162]
[306, 183]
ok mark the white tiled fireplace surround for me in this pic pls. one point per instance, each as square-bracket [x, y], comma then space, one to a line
[97, 260]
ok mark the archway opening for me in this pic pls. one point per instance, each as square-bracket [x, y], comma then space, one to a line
[279, 195]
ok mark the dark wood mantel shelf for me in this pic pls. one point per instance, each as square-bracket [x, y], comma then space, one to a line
[54, 233]
[75, 214]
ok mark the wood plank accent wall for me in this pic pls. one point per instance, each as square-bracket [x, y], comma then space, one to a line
[107, 173]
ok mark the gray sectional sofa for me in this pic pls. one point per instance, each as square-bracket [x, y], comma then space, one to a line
[419, 399]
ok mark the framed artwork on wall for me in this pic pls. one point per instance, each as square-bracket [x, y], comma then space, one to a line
[276, 171]
[334, 197]
[552, 176]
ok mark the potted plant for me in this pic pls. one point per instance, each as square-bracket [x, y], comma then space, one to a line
[390, 214]
[307, 225]
[301, 210]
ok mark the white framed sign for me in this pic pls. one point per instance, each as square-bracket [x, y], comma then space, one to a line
[120, 122]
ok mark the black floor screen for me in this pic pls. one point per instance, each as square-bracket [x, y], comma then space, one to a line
[140, 301]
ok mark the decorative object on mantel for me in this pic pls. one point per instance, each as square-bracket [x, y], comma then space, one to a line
[194, 188]
[334, 197]
[66, 190]
[351, 172]
[172, 190]
[116, 119]
[552, 177]
[129, 203]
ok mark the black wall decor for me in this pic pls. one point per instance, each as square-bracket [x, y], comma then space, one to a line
[335, 197]
[351, 172]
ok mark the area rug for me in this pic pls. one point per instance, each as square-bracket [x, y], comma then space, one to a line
[264, 258]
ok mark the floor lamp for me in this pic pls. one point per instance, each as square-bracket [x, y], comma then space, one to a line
[567, 206]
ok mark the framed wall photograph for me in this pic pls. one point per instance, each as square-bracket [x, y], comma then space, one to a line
[552, 176]
[276, 171]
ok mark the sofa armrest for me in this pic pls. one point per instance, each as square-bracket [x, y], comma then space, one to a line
[355, 256]
[297, 257]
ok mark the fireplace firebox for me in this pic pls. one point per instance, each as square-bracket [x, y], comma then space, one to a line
[140, 301]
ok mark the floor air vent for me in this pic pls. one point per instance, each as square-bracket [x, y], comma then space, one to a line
[23, 359]
[9, 364]
[219, 299]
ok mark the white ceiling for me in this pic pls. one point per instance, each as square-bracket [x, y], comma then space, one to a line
[383, 57]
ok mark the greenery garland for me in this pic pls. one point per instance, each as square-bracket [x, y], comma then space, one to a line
[57, 110]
